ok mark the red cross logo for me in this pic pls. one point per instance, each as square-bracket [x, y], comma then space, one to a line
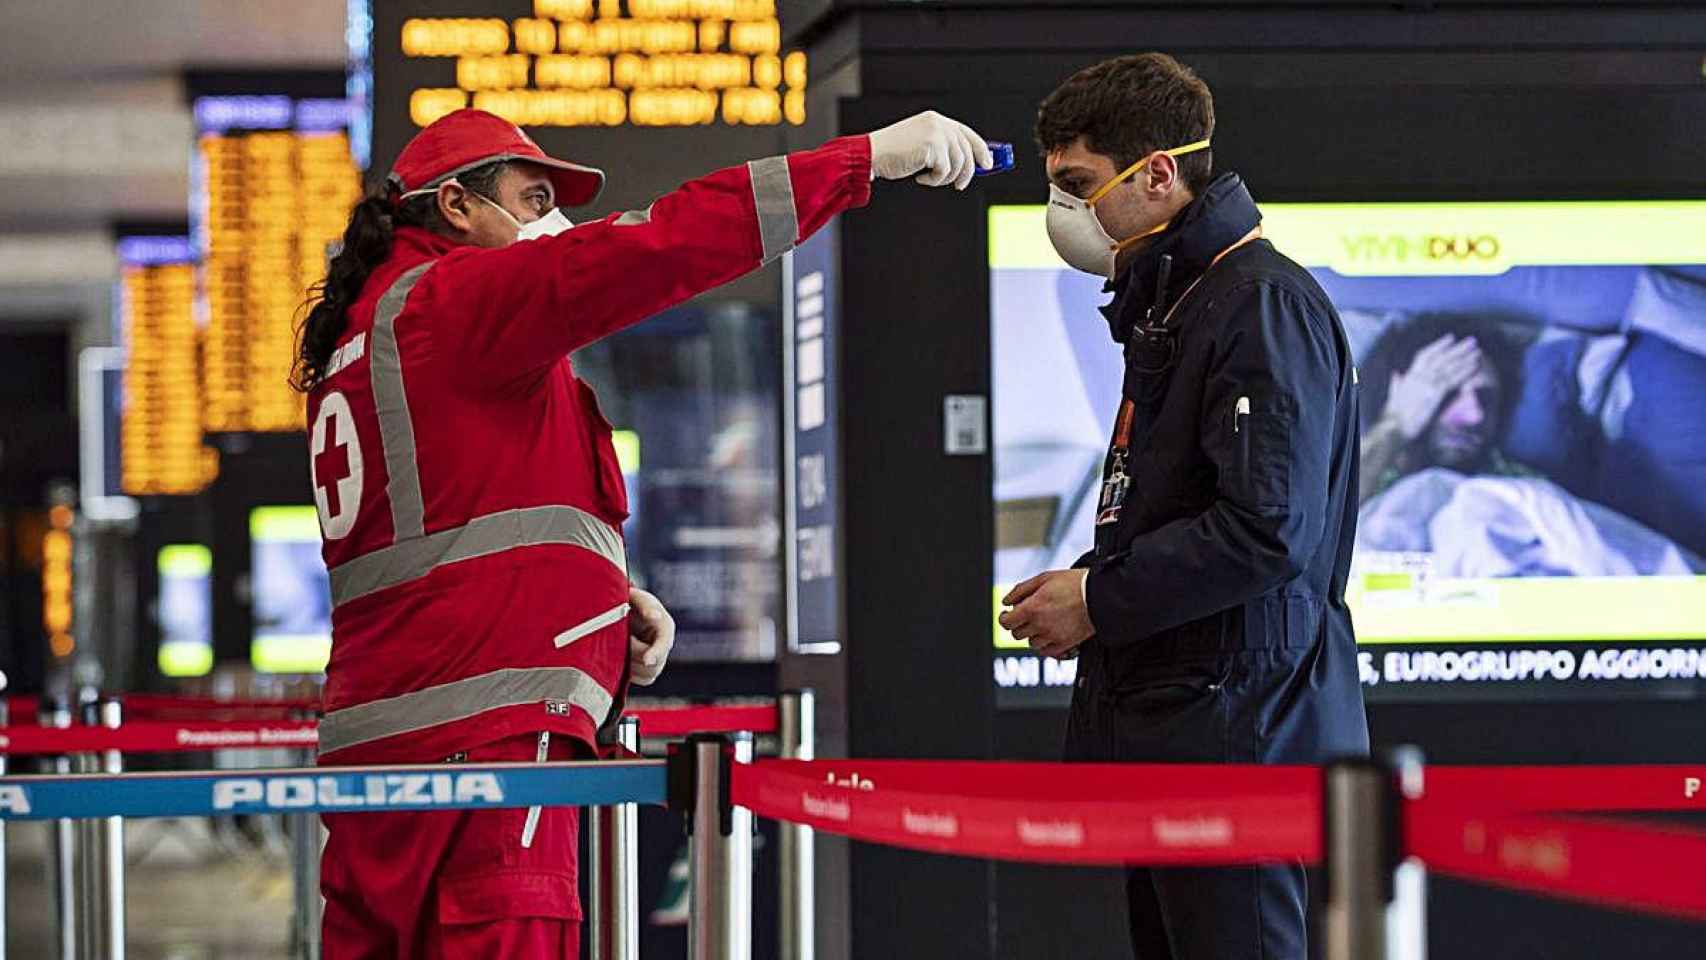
[335, 459]
[331, 466]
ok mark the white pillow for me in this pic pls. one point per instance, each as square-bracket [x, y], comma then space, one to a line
[1669, 305]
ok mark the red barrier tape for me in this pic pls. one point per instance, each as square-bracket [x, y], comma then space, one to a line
[654, 721]
[1655, 869]
[1165, 814]
[26, 710]
[154, 703]
[161, 735]
[154, 736]
[1561, 789]
[681, 721]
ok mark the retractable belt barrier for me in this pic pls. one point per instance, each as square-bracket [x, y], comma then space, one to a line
[1528, 828]
[1501, 825]
[1651, 868]
[1624, 788]
[681, 721]
[1538, 829]
[26, 710]
[89, 806]
[658, 721]
[159, 736]
[214, 730]
[1078, 813]
[332, 790]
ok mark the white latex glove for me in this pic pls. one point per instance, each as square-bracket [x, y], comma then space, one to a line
[941, 151]
[651, 634]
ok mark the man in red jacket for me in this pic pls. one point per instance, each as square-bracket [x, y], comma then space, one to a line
[472, 503]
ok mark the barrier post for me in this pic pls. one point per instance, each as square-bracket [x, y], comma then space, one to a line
[615, 847]
[1407, 917]
[110, 920]
[796, 864]
[86, 861]
[56, 713]
[1360, 846]
[305, 876]
[90, 852]
[719, 926]
[99, 861]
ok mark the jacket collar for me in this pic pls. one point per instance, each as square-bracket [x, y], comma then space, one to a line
[1219, 218]
[418, 243]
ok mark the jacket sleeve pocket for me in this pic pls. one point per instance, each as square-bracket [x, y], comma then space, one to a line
[1261, 434]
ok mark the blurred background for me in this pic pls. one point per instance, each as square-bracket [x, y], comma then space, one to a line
[173, 172]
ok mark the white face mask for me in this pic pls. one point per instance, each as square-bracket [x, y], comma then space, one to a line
[1077, 233]
[549, 225]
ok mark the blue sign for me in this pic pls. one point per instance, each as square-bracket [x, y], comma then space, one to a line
[321, 115]
[151, 251]
[332, 790]
[812, 504]
[242, 112]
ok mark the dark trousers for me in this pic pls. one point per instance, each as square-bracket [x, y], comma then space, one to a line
[1253, 706]
[1221, 913]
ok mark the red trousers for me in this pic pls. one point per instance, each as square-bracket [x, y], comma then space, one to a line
[453, 884]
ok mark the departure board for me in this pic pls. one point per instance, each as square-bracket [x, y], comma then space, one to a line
[58, 603]
[274, 187]
[607, 63]
[161, 449]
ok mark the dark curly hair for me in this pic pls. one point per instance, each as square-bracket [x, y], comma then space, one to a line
[365, 245]
[1130, 107]
[1499, 340]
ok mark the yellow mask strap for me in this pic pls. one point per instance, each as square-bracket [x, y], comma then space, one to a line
[1128, 241]
[1125, 174]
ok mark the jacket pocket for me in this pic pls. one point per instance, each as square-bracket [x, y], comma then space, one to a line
[467, 903]
[612, 488]
[1261, 436]
[1166, 692]
[1178, 715]
[486, 877]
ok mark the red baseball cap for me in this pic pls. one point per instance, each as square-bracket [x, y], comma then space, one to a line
[469, 138]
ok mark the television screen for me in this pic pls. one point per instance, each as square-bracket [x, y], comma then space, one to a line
[291, 593]
[185, 611]
[1534, 526]
[693, 393]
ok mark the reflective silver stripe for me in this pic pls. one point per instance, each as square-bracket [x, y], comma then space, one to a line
[773, 195]
[396, 431]
[605, 619]
[461, 699]
[492, 533]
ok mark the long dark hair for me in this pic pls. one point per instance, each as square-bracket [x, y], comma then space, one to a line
[365, 245]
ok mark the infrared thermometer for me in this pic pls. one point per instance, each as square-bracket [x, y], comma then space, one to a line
[1003, 158]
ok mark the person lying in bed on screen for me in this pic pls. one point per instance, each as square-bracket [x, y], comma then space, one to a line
[1437, 392]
